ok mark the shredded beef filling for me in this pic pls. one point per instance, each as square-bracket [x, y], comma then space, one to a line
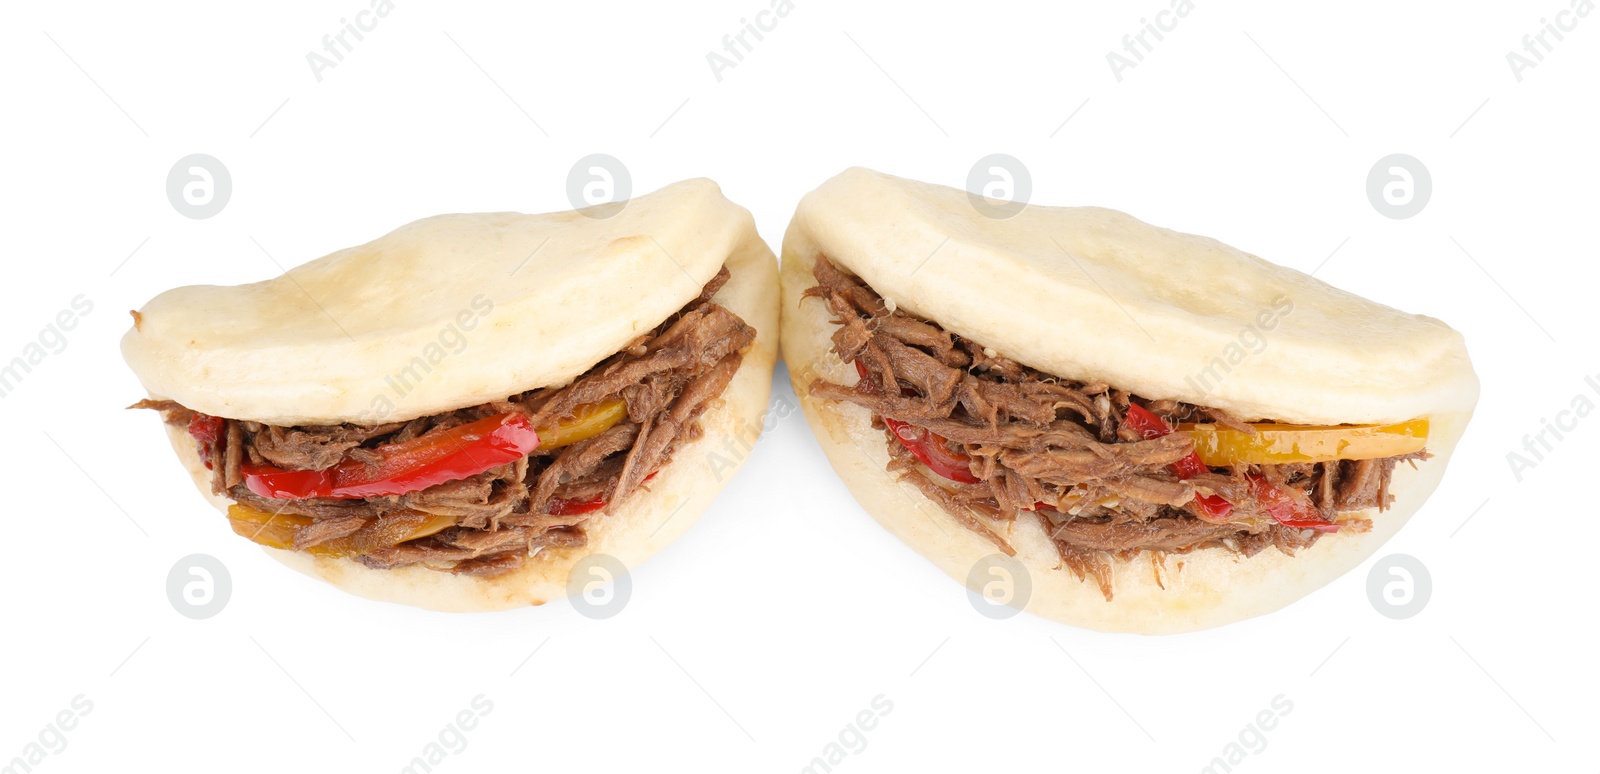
[668, 377]
[1058, 451]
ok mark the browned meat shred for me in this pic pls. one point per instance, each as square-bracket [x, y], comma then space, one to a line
[1058, 448]
[669, 377]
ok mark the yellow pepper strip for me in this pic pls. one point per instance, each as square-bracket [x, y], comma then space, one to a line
[277, 530]
[587, 421]
[1275, 444]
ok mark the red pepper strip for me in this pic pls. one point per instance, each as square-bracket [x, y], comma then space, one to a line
[1149, 426]
[929, 448]
[560, 507]
[448, 455]
[207, 430]
[1286, 509]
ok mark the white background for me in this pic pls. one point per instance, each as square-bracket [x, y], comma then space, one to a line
[753, 641]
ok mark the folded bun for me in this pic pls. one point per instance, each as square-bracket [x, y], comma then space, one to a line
[1006, 284]
[630, 531]
[325, 342]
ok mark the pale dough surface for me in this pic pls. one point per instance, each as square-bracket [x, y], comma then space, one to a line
[357, 334]
[1094, 294]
